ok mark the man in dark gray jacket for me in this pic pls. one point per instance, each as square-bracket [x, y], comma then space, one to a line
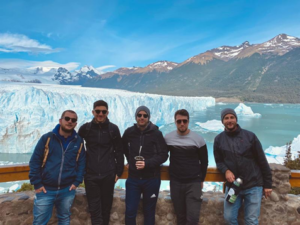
[145, 150]
[239, 154]
[104, 164]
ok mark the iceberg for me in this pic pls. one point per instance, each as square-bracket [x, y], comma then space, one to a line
[28, 111]
[277, 154]
[14, 187]
[243, 110]
[212, 125]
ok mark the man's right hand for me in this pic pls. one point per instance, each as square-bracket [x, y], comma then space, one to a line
[41, 189]
[229, 176]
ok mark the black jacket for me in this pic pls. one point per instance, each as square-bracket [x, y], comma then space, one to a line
[241, 153]
[154, 150]
[104, 148]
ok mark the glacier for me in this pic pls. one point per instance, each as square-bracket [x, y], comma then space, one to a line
[277, 154]
[211, 125]
[28, 111]
[243, 110]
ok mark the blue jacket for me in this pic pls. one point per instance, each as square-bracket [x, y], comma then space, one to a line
[61, 169]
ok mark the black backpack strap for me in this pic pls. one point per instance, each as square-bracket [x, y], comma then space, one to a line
[87, 128]
[112, 134]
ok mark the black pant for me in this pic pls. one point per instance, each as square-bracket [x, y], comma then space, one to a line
[187, 199]
[99, 193]
[149, 188]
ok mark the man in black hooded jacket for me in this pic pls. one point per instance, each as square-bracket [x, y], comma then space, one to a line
[105, 162]
[145, 150]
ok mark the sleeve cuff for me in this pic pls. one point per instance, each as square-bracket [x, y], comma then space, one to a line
[76, 183]
[37, 186]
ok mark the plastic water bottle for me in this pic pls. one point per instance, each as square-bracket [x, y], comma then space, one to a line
[234, 190]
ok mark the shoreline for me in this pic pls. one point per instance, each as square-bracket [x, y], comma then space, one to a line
[228, 100]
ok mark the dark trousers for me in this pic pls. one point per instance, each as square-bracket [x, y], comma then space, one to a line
[187, 199]
[99, 193]
[149, 188]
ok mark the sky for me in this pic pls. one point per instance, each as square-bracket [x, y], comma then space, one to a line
[109, 34]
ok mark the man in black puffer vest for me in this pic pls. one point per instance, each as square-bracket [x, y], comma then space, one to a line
[105, 162]
[145, 150]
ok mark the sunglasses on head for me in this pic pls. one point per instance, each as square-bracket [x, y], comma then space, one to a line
[99, 111]
[179, 121]
[74, 120]
[142, 115]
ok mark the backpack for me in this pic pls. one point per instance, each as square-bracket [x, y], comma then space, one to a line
[46, 152]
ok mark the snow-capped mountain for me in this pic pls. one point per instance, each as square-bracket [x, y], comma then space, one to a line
[30, 75]
[63, 76]
[159, 66]
[121, 71]
[88, 71]
[278, 45]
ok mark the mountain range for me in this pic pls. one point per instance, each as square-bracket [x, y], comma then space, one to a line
[266, 72]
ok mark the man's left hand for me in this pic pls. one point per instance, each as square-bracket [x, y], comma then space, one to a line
[140, 165]
[267, 192]
[116, 179]
[73, 187]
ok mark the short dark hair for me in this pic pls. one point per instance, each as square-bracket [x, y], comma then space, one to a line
[100, 103]
[182, 112]
[70, 111]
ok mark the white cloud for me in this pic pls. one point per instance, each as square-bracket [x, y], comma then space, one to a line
[21, 43]
[102, 69]
[19, 63]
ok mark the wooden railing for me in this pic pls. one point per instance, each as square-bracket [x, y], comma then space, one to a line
[20, 172]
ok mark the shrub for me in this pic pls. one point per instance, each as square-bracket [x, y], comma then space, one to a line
[26, 187]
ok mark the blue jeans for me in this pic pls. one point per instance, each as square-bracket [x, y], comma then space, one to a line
[44, 202]
[252, 201]
[134, 188]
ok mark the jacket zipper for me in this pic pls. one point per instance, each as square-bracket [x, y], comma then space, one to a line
[141, 146]
[99, 149]
[62, 160]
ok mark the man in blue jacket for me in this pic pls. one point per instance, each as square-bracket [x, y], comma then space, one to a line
[57, 167]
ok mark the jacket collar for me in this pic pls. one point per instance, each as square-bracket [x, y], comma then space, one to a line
[233, 133]
[56, 131]
[149, 127]
[102, 125]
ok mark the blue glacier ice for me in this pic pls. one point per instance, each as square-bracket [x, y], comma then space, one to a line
[245, 111]
[212, 126]
[28, 111]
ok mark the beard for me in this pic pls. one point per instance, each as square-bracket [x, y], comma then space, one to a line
[183, 130]
[64, 129]
[232, 128]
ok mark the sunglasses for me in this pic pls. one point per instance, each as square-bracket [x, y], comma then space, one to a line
[179, 121]
[99, 111]
[74, 120]
[142, 115]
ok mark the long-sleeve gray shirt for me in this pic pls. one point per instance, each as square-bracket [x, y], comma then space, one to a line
[188, 156]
